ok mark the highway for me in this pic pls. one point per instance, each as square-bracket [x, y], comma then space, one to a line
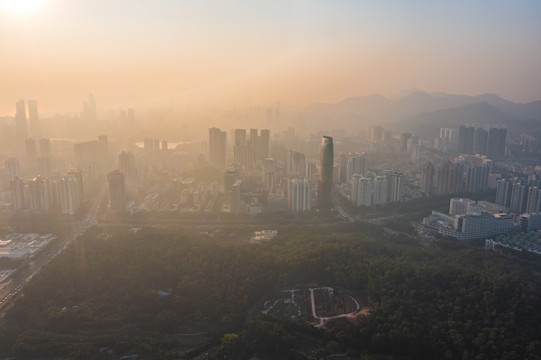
[11, 288]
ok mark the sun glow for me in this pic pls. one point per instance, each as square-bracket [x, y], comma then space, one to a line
[21, 6]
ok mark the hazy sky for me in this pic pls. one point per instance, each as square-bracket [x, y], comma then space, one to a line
[233, 52]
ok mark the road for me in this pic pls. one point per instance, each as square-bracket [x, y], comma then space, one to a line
[10, 289]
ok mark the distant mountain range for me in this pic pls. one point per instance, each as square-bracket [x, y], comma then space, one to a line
[424, 113]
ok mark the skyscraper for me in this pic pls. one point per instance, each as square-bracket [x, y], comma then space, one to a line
[264, 144]
[127, 166]
[480, 139]
[465, 139]
[356, 165]
[380, 190]
[33, 116]
[68, 188]
[361, 190]
[45, 147]
[298, 195]
[21, 128]
[325, 174]
[427, 179]
[217, 147]
[117, 190]
[519, 198]
[534, 200]
[240, 148]
[296, 164]
[496, 143]
[17, 193]
[503, 192]
[31, 152]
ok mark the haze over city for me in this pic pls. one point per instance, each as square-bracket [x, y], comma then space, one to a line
[298, 52]
[302, 180]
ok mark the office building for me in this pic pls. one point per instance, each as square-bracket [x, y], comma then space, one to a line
[217, 147]
[326, 174]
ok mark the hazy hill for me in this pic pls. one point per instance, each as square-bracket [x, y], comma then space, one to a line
[424, 113]
[427, 125]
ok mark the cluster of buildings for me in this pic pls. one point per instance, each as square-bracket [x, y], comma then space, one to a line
[472, 140]
[468, 220]
[465, 173]
[255, 182]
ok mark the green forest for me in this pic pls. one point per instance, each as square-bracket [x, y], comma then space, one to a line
[125, 293]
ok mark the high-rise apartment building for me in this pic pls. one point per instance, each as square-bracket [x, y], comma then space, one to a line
[17, 193]
[534, 200]
[465, 139]
[427, 179]
[503, 192]
[45, 147]
[496, 143]
[296, 164]
[379, 196]
[356, 165]
[68, 190]
[117, 190]
[361, 190]
[31, 151]
[217, 147]
[299, 195]
[39, 194]
[519, 198]
[480, 140]
[127, 166]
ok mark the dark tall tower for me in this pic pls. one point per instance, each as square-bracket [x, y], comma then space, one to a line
[480, 139]
[496, 143]
[325, 174]
[465, 139]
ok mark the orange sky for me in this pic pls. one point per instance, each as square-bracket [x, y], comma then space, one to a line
[137, 53]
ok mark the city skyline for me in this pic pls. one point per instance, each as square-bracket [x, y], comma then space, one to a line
[302, 52]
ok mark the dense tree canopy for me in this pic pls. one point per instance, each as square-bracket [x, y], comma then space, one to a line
[130, 292]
